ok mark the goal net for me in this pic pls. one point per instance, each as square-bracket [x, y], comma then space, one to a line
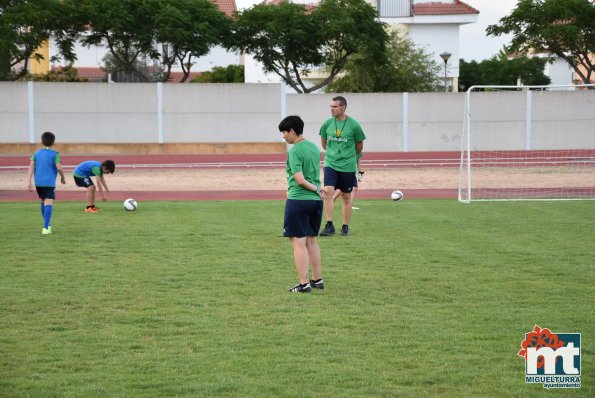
[528, 143]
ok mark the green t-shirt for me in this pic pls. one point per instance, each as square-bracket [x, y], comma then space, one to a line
[304, 157]
[341, 138]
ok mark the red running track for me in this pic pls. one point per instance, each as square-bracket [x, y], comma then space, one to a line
[371, 160]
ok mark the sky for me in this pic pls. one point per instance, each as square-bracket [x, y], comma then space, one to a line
[474, 43]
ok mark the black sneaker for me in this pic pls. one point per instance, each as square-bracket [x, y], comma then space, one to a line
[319, 284]
[301, 288]
[344, 230]
[328, 230]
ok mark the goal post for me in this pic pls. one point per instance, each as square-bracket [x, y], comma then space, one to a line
[528, 143]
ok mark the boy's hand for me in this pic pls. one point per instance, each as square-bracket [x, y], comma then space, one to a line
[30, 187]
[63, 180]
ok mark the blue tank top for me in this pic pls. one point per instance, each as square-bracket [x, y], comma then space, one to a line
[45, 167]
[88, 169]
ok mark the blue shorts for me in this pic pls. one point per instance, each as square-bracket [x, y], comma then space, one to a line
[302, 218]
[85, 182]
[343, 181]
[46, 192]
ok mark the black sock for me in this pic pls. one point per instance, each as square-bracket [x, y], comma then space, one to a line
[329, 223]
[316, 281]
[88, 207]
[345, 226]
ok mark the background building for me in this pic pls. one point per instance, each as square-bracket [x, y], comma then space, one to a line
[433, 26]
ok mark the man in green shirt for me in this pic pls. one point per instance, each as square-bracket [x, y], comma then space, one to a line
[303, 209]
[342, 138]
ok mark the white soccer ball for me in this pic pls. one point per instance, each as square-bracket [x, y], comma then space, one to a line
[396, 195]
[130, 204]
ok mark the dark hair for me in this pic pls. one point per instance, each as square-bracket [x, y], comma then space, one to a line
[341, 100]
[292, 122]
[109, 165]
[48, 139]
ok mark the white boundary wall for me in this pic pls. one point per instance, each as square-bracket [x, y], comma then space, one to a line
[227, 113]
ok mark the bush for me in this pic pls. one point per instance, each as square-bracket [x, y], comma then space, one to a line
[219, 74]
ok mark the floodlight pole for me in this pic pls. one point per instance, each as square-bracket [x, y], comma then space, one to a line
[445, 56]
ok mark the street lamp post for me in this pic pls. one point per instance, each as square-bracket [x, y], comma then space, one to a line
[445, 56]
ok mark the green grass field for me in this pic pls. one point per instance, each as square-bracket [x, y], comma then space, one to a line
[426, 298]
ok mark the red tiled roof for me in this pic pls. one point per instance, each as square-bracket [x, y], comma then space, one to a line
[89, 73]
[92, 73]
[308, 6]
[175, 77]
[436, 8]
[226, 6]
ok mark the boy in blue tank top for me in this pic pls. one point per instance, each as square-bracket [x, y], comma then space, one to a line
[82, 178]
[45, 165]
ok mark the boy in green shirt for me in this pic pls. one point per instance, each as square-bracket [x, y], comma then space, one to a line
[303, 209]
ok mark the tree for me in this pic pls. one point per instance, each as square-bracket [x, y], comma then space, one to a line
[407, 69]
[219, 74]
[119, 73]
[187, 29]
[501, 71]
[469, 74]
[24, 26]
[128, 27]
[291, 40]
[565, 28]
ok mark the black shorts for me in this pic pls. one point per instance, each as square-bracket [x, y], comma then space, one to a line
[302, 218]
[46, 192]
[343, 181]
[85, 182]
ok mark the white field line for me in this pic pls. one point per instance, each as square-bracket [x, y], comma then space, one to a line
[371, 163]
[388, 163]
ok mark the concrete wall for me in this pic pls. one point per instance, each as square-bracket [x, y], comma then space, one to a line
[501, 119]
[248, 114]
[379, 114]
[436, 121]
[221, 112]
[14, 112]
[556, 120]
[563, 120]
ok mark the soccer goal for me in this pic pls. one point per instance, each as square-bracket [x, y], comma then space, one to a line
[528, 143]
